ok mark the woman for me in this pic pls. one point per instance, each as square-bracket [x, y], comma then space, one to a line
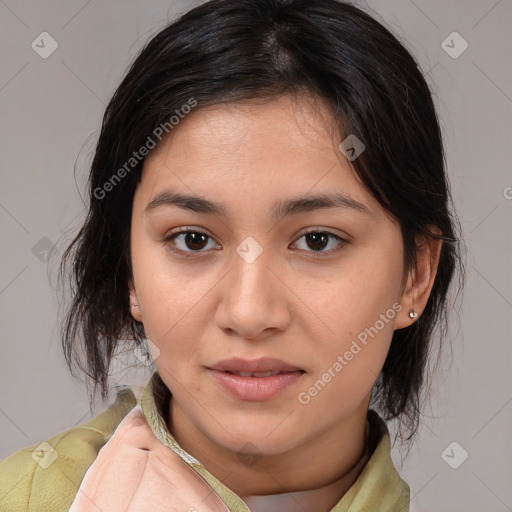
[270, 215]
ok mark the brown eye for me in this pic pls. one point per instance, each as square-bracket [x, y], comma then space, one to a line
[319, 241]
[195, 241]
[191, 241]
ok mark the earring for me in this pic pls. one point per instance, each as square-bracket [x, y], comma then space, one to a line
[412, 314]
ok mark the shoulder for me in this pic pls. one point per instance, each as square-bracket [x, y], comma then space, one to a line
[47, 475]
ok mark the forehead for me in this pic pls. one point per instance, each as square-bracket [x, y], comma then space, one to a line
[300, 124]
[284, 146]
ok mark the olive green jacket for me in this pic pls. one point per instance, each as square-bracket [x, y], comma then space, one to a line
[47, 476]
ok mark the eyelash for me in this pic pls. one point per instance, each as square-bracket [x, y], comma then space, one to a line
[191, 254]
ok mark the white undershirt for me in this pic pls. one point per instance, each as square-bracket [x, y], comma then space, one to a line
[291, 502]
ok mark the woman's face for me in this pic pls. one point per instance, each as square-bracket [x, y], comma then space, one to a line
[290, 267]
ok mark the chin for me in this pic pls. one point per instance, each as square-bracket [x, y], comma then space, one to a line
[257, 438]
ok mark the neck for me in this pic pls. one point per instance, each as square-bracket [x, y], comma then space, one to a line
[322, 499]
[312, 476]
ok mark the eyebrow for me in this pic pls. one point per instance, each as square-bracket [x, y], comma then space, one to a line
[280, 209]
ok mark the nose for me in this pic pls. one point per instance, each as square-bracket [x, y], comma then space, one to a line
[254, 303]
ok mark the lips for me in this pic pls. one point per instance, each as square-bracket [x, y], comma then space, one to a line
[257, 380]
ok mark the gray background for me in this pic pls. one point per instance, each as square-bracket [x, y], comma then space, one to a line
[51, 107]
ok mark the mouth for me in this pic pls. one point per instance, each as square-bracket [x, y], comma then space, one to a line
[255, 380]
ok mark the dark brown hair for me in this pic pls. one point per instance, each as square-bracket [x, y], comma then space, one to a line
[227, 51]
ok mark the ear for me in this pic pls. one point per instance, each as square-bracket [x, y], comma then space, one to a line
[134, 303]
[420, 280]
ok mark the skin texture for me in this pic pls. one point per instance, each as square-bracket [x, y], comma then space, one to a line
[292, 302]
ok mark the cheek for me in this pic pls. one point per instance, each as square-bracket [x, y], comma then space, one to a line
[358, 310]
[163, 289]
[354, 298]
[168, 300]
[347, 369]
